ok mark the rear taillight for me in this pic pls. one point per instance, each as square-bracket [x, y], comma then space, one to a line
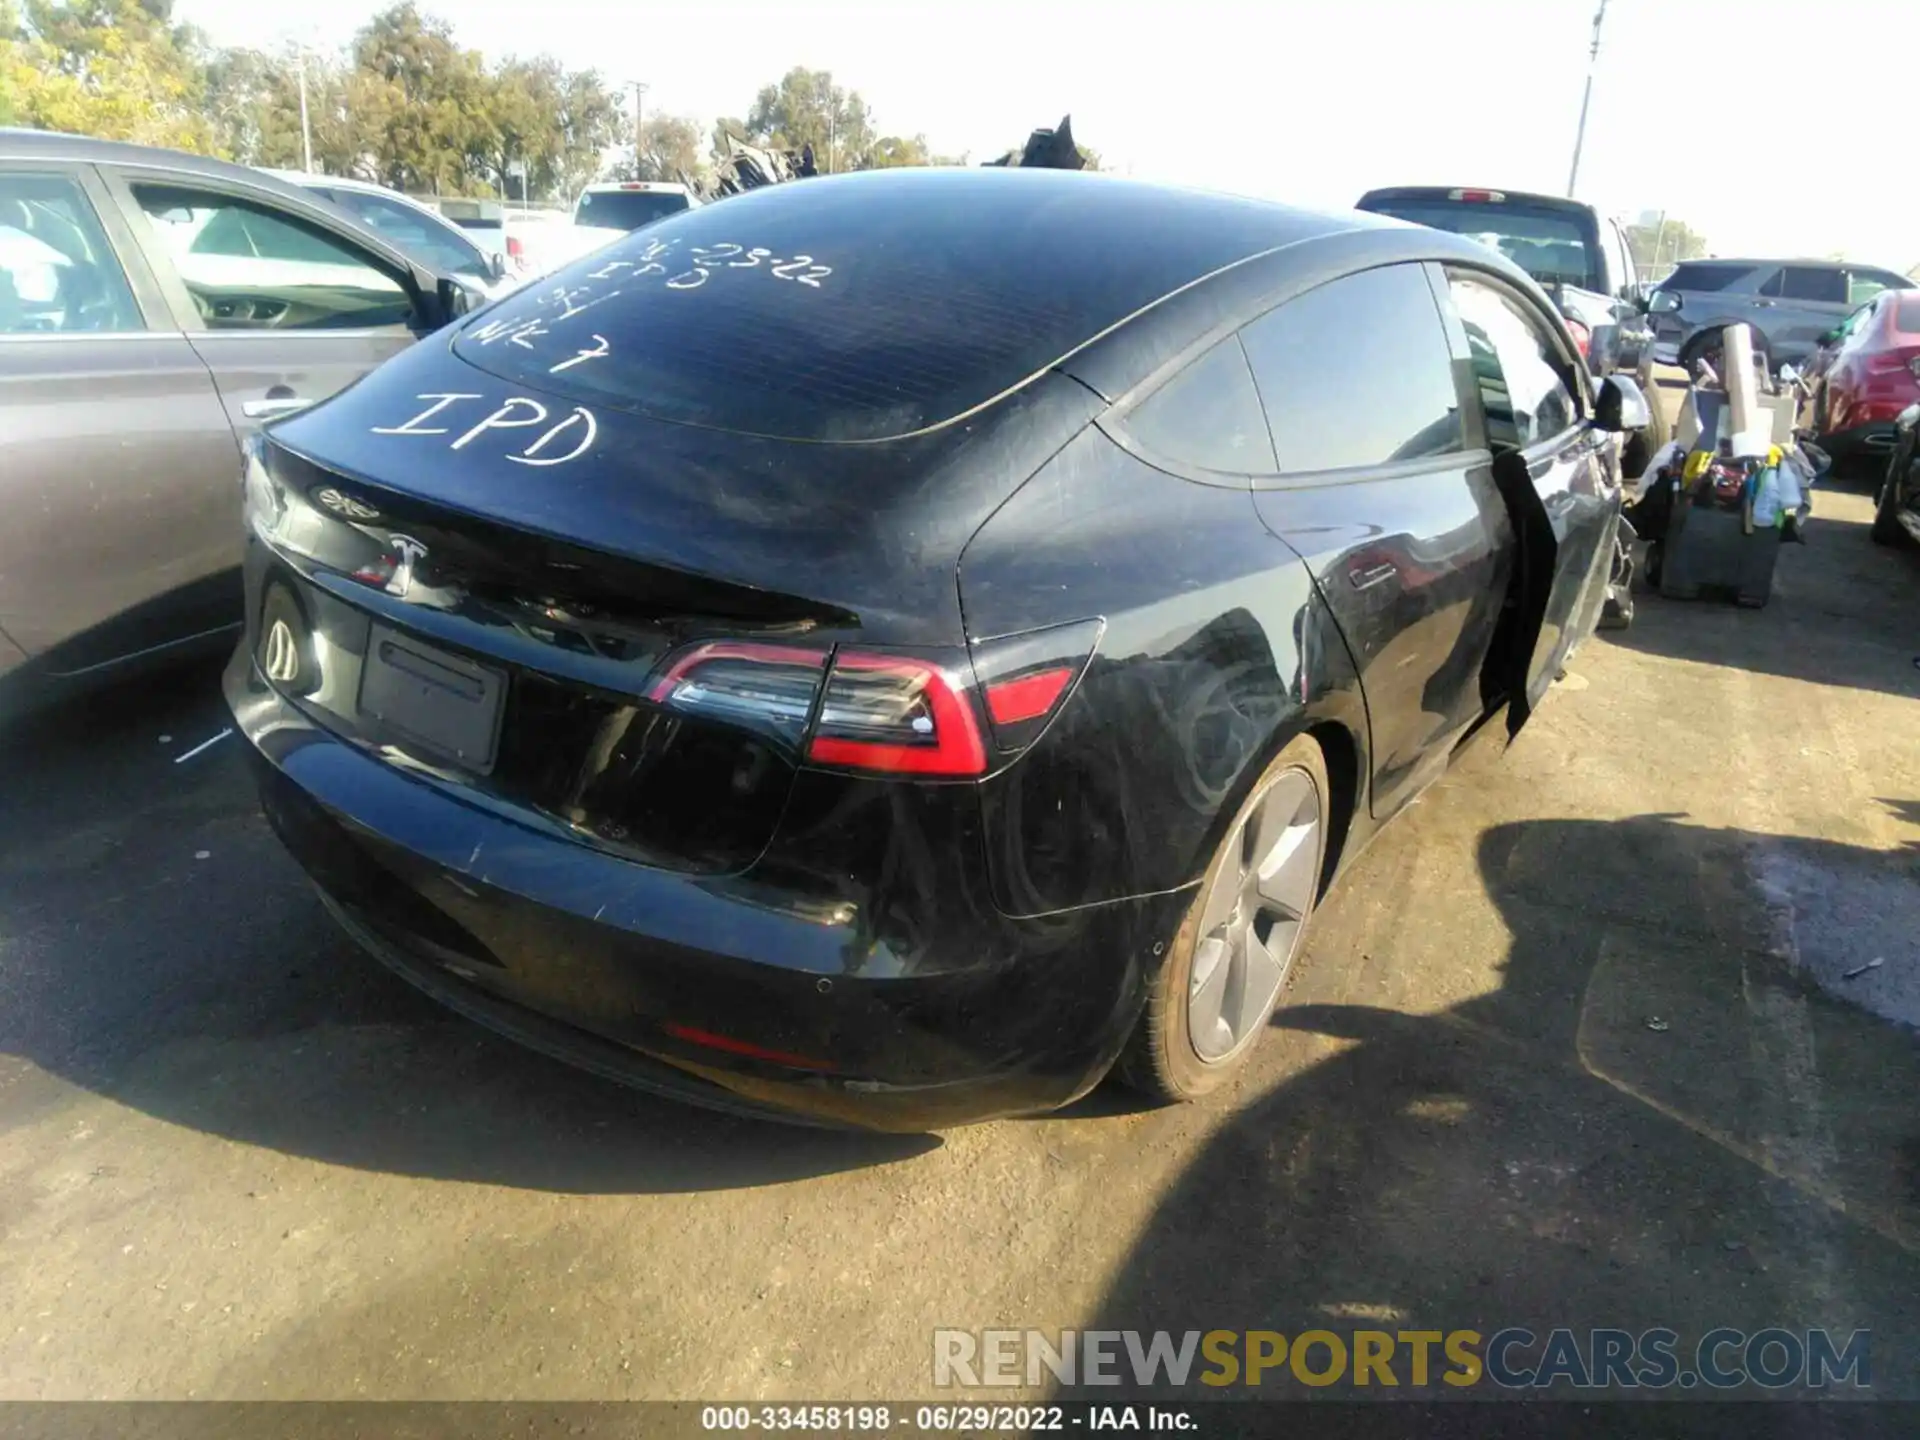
[879, 712]
[1026, 678]
[1478, 197]
[1582, 337]
[896, 715]
[515, 250]
[765, 688]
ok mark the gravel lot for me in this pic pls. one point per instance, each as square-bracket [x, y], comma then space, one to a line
[239, 1160]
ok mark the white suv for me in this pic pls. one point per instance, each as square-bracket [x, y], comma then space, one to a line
[629, 204]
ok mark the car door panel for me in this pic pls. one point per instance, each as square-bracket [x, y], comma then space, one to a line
[1397, 514]
[1413, 569]
[1557, 476]
[284, 308]
[118, 471]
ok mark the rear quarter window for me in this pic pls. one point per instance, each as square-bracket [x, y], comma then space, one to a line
[1707, 277]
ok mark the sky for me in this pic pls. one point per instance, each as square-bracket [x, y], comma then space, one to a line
[1311, 104]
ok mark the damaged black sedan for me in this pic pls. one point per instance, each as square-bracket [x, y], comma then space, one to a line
[890, 649]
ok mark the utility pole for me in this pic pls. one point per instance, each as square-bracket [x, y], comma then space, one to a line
[639, 125]
[1593, 60]
[306, 132]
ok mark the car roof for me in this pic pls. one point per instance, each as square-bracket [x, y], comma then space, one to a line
[931, 292]
[657, 187]
[20, 144]
[1444, 192]
[1755, 261]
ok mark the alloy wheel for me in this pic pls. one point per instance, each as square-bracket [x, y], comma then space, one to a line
[1255, 910]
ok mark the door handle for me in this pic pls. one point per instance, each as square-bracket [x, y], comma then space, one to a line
[268, 409]
[1763, 304]
[1371, 575]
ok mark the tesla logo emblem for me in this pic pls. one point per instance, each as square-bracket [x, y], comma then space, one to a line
[410, 550]
[282, 660]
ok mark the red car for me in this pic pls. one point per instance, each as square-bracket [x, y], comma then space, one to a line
[1873, 374]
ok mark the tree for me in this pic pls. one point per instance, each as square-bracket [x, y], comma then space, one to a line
[429, 128]
[669, 148]
[807, 108]
[1658, 248]
[110, 68]
[890, 151]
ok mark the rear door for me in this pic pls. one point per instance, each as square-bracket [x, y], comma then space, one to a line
[1797, 305]
[1391, 503]
[116, 458]
[284, 308]
[1557, 475]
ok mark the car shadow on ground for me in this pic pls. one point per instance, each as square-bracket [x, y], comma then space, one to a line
[1645, 1124]
[159, 948]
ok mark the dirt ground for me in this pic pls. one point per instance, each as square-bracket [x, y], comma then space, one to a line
[1578, 1042]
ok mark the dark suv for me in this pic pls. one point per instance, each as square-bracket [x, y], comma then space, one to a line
[1789, 303]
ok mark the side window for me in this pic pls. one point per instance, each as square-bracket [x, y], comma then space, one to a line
[1775, 285]
[1357, 373]
[249, 267]
[1207, 416]
[441, 245]
[1863, 285]
[1524, 383]
[1814, 284]
[58, 274]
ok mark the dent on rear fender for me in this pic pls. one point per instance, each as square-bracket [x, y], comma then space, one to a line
[1215, 653]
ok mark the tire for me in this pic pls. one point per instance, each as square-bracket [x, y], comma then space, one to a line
[1887, 529]
[1643, 445]
[1163, 1059]
[1710, 340]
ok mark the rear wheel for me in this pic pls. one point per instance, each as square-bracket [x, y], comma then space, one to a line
[1230, 959]
[1887, 529]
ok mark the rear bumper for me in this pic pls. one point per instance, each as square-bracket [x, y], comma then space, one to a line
[912, 1005]
[1875, 437]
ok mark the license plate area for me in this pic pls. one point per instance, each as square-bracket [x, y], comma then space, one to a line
[431, 698]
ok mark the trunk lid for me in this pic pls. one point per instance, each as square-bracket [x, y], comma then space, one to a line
[498, 576]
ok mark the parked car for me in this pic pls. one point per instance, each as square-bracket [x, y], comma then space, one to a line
[630, 204]
[769, 668]
[1896, 514]
[1789, 303]
[543, 241]
[416, 228]
[1865, 373]
[154, 309]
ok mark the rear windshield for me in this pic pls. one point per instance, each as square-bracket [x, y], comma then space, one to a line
[860, 307]
[1906, 315]
[1550, 244]
[627, 209]
[1705, 277]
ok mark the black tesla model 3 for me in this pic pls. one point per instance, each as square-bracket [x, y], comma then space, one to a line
[888, 649]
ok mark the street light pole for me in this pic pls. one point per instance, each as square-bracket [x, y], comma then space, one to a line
[639, 125]
[306, 132]
[1586, 99]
